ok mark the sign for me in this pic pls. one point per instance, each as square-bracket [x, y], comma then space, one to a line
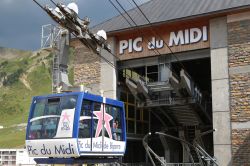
[149, 44]
[65, 126]
[52, 148]
[107, 145]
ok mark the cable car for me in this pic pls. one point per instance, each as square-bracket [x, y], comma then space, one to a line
[75, 125]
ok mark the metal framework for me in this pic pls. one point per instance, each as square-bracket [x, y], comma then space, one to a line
[204, 158]
[50, 35]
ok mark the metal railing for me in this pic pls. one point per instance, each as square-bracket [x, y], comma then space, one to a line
[204, 158]
[183, 164]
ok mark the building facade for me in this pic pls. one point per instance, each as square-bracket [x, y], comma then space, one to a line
[184, 73]
[15, 157]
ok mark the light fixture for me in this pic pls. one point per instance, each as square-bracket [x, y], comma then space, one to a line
[73, 6]
[102, 34]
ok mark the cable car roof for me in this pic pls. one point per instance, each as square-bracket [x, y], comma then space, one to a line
[87, 96]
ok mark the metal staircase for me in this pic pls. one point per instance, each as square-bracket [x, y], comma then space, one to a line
[190, 136]
[178, 97]
[202, 157]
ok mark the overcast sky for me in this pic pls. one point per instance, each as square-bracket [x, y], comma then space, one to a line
[21, 20]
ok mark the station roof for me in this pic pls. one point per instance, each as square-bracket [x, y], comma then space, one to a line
[158, 11]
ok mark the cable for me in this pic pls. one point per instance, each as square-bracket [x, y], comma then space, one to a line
[158, 34]
[120, 13]
[106, 60]
[136, 26]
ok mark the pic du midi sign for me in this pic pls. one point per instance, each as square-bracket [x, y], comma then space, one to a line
[146, 44]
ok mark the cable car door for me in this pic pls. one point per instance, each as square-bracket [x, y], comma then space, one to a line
[97, 134]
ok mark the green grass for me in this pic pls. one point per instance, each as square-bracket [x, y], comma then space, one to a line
[12, 137]
[15, 98]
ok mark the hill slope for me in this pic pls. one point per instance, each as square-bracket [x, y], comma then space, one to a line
[23, 74]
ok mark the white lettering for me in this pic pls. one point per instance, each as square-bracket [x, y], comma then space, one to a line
[204, 33]
[176, 39]
[151, 44]
[130, 45]
[136, 46]
[195, 35]
[186, 36]
[181, 37]
[123, 46]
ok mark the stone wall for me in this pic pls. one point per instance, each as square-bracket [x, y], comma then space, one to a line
[93, 72]
[239, 77]
[87, 68]
[241, 147]
[240, 97]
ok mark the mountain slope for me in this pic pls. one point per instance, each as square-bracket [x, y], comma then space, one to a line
[22, 76]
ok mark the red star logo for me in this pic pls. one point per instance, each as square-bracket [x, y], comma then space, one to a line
[66, 116]
[102, 115]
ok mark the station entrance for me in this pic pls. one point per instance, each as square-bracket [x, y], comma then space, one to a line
[170, 94]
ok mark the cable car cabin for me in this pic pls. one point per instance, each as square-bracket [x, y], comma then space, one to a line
[76, 125]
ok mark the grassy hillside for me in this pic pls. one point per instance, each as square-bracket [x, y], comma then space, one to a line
[22, 76]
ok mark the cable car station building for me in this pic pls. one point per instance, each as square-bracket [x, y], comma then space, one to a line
[185, 72]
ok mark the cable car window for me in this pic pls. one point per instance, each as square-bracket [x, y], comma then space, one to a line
[39, 108]
[35, 129]
[96, 111]
[85, 120]
[108, 114]
[117, 125]
[46, 116]
[68, 102]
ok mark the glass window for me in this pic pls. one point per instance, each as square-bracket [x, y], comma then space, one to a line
[46, 116]
[117, 124]
[35, 129]
[108, 127]
[131, 111]
[152, 73]
[39, 108]
[138, 114]
[97, 108]
[85, 120]
[131, 126]
[145, 128]
[139, 127]
[123, 97]
[145, 115]
[49, 127]
[68, 102]
[131, 98]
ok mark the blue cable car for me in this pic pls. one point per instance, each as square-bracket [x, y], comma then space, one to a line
[75, 125]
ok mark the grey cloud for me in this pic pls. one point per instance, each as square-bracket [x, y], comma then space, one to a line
[21, 20]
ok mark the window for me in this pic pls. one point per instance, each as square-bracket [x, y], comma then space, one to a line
[97, 107]
[85, 120]
[90, 119]
[46, 116]
[39, 107]
[117, 124]
[152, 73]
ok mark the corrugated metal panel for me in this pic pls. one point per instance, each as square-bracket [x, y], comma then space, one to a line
[166, 10]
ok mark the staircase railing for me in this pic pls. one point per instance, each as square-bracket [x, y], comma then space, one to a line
[204, 158]
[201, 153]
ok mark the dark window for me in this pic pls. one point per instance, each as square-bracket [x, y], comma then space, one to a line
[46, 116]
[117, 124]
[131, 111]
[85, 120]
[131, 126]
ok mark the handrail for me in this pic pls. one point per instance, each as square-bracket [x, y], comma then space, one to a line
[200, 151]
[163, 162]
